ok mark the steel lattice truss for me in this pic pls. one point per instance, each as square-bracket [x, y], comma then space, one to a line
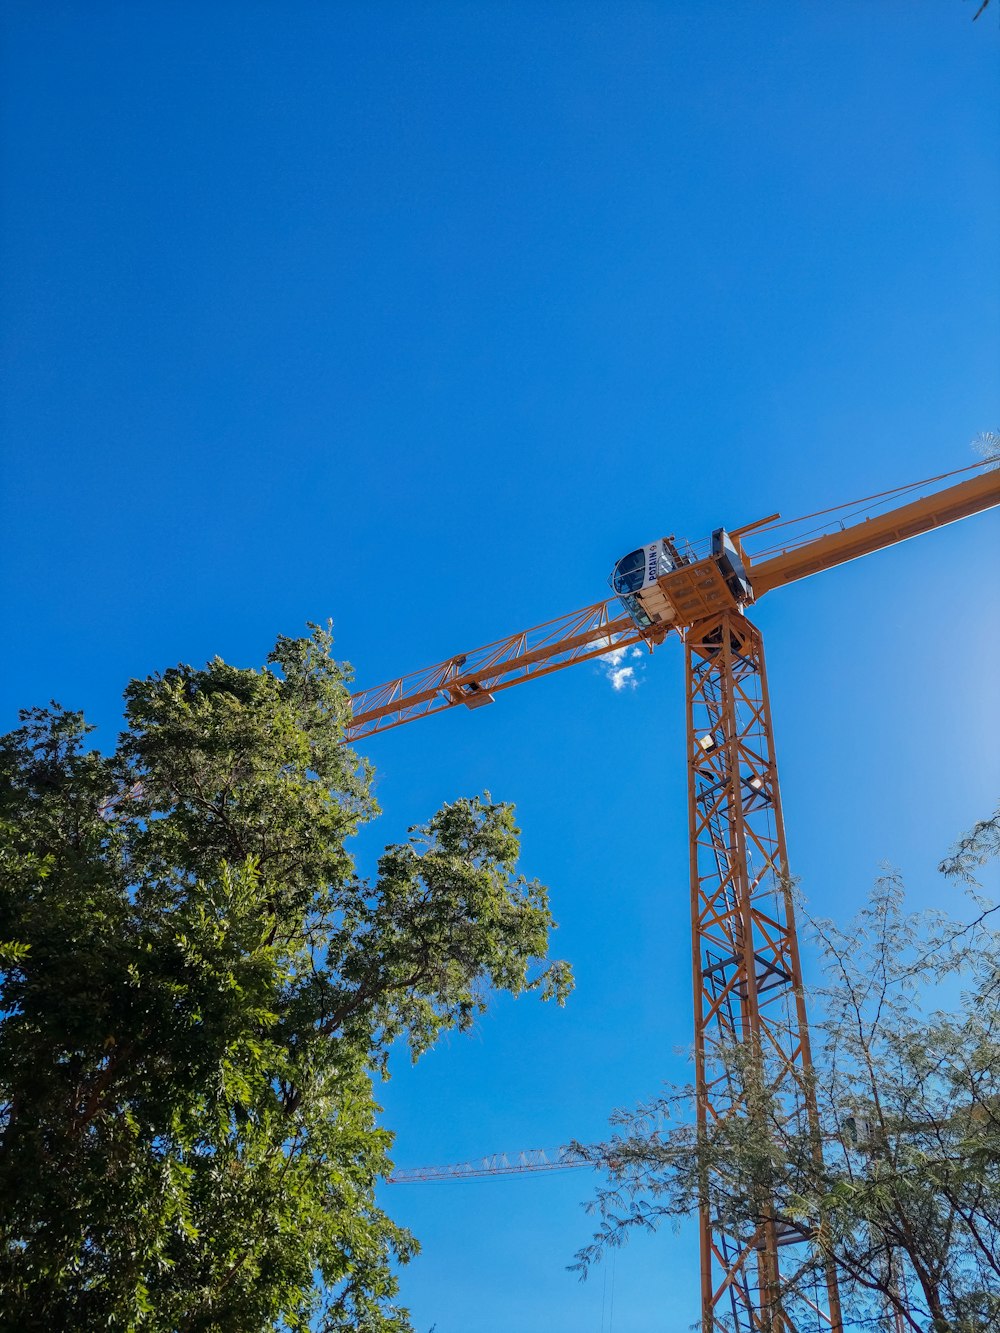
[474, 677]
[747, 978]
[497, 1164]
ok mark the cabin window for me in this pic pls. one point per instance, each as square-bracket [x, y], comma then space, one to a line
[629, 572]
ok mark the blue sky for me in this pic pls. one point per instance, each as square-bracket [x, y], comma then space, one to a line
[419, 316]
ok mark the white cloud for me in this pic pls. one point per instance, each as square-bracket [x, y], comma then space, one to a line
[622, 678]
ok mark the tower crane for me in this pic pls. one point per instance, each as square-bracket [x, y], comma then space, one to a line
[746, 972]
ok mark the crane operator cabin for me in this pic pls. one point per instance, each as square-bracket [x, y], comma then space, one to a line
[659, 585]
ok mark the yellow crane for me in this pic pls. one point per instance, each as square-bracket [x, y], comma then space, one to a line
[746, 973]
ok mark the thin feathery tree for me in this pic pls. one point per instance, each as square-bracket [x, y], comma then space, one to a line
[905, 1197]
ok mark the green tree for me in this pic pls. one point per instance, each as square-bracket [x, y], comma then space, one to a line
[198, 991]
[906, 1199]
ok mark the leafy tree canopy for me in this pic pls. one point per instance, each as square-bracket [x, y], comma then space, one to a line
[198, 989]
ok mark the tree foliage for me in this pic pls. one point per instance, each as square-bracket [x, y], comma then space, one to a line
[198, 990]
[905, 1198]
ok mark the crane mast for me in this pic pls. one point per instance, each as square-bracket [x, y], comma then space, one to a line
[747, 979]
[746, 973]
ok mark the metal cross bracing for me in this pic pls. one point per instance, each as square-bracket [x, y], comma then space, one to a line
[748, 997]
[751, 1035]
